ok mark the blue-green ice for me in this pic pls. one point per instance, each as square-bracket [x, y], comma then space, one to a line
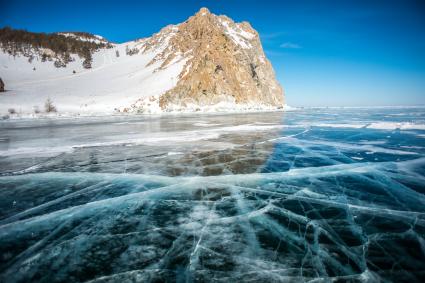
[311, 195]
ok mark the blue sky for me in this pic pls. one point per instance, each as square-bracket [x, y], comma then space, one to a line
[325, 53]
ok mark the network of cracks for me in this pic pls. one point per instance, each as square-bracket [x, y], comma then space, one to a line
[277, 205]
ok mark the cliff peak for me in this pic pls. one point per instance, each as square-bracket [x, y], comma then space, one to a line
[203, 12]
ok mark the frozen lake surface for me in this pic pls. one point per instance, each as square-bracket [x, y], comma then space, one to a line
[325, 194]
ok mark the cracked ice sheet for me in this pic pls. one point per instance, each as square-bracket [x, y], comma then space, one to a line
[247, 197]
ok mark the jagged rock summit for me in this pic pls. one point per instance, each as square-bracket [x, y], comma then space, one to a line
[207, 63]
[226, 66]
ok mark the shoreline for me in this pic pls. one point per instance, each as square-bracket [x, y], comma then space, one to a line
[70, 115]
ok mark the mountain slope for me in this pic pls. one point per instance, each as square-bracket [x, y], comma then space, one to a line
[207, 63]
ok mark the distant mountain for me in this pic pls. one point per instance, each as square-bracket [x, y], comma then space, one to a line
[207, 63]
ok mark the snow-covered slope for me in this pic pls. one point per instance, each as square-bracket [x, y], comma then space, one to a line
[207, 63]
[113, 83]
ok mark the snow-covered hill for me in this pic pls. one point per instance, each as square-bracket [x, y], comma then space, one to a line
[112, 83]
[135, 76]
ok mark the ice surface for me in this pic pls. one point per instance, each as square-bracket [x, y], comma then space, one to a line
[260, 197]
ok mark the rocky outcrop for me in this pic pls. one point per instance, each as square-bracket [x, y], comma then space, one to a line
[225, 66]
[1, 85]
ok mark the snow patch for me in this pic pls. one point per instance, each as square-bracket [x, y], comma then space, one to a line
[238, 35]
[395, 125]
[375, 125]
[97, 38]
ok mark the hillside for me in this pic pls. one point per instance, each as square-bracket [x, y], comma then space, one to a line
[53, 47]
[207, 63]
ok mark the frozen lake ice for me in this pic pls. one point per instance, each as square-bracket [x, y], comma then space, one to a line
[314, 194]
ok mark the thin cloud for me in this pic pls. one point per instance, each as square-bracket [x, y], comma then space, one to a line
[290, 45]
[272, 35]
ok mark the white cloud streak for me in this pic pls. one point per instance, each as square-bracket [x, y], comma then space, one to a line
[290, 45]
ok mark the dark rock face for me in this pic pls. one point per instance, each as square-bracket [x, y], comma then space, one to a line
[1, 85]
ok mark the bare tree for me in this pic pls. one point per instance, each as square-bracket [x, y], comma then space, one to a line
[48, 106]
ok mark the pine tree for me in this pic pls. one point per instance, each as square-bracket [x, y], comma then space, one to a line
[88, 59]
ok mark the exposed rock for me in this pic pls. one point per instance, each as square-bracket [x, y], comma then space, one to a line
[225, 65]
[1, 85]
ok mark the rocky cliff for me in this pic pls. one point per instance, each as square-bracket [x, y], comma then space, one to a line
[226, 66]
